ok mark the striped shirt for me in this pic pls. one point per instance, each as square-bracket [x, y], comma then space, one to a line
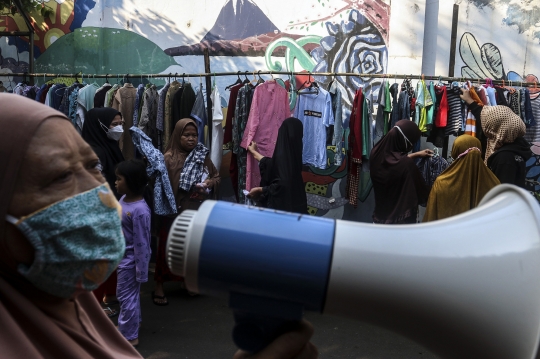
[455, 117]
[533, 132]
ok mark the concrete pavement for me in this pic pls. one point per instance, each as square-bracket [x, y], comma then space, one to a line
[199, 328]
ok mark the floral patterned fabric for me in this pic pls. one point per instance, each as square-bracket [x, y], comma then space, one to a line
[243, 105]
[164, 202]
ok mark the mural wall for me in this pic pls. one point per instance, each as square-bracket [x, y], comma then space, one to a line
[496, 38]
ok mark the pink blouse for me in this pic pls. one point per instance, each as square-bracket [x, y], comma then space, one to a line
[269, 108]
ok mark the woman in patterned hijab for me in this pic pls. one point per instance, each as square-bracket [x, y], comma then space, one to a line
[506, 151]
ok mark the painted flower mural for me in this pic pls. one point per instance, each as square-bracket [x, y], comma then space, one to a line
[354, 46]
[65, 17]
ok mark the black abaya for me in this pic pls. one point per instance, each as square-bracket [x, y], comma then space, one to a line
[281, 175]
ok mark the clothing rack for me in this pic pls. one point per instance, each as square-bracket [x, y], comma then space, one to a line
[208, 76]
[291, 73]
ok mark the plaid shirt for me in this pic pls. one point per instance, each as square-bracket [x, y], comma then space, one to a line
[193, 167]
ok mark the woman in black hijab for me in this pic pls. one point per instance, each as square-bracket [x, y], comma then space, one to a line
[398, 184]
[282, 186]
[102, 130]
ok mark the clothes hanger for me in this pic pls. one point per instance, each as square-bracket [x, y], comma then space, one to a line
[261, 80]
[246, 81]
[238, 81]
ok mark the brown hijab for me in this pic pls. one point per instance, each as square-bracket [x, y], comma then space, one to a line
[461, 186]
[34, 323]
[501, 126]
[397, 182]
[175, 155]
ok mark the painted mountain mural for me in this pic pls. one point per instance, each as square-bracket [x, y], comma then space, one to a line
[240, 19]
[241, 29]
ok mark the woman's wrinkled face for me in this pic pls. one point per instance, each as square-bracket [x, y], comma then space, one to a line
[189, 138]
[58, 164]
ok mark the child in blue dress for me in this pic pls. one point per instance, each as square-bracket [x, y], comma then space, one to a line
[131, 180]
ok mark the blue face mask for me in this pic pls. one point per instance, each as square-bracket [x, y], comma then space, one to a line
[78, 242]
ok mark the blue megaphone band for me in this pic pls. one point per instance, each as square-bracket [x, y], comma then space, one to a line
[279, 255]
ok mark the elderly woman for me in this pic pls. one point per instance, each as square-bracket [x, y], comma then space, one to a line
[50, 181]
[461, 186]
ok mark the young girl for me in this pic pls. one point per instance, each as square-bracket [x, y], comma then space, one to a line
[131, 180]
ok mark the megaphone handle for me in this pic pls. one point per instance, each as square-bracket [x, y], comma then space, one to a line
[253, 333]
[260, 320]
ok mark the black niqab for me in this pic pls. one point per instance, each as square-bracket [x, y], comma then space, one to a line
[281, 175]
[397, 182]
[107, 150]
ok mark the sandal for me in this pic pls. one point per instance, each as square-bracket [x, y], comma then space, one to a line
[162, 297]
[111, 313]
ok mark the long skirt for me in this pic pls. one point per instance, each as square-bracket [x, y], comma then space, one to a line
[163, 273]
[128, 293]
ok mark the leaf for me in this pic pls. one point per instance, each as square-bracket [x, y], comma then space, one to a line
[307, 28]
[322, 24]
[302, 27]
[491, 55]
[323, 4]
[313, 23]
[290, 22]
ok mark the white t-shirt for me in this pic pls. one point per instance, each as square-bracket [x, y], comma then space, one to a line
[216, 149]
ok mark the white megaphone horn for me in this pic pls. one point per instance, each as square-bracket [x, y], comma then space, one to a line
[464, 287]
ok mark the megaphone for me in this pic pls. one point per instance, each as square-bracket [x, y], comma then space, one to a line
[464, 287]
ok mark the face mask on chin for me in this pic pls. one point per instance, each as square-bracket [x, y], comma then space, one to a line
[78, 242]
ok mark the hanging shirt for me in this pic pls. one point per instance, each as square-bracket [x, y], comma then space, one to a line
[269, 108]
[124, 102]
[514, 102]
[227, 136]
[455, 117]
[441, 114]
[423, 102]
[431, 109]
[216, 154]
[99, 98]
[533, 132]
[148, 115]
[356, 147]
[337, 109]
[85, 102]
[380, 126]
[138, 100]
[315, 112]
[198, 112]
[394, 116]
[167, 119]
[242, 111]
[491, 93]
